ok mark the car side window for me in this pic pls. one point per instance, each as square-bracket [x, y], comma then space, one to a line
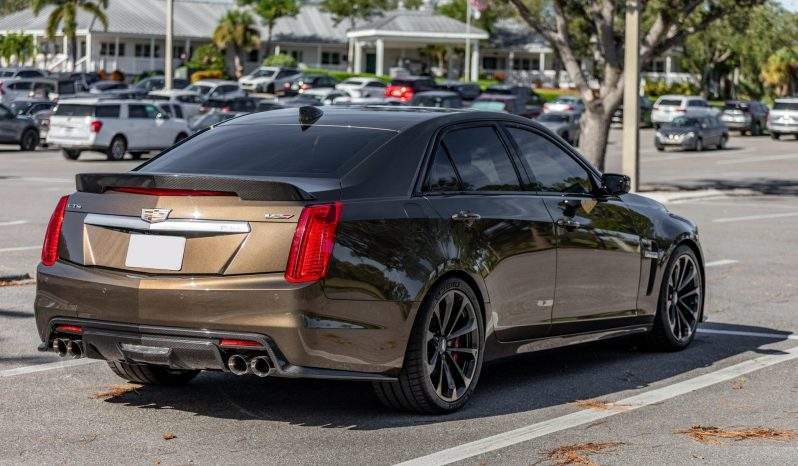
[551, 168]
[442, 176]
[107, 111]
[375, 84]
[481, 160]
[143, 111]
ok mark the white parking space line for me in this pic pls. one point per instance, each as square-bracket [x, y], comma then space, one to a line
[659, 395]
[755, 159]
[755, 217]
[47, 367]
[718, 263]
[13, 222]
[779, 336]
[20, 248]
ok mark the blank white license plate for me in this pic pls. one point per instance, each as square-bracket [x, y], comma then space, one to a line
[155, 252]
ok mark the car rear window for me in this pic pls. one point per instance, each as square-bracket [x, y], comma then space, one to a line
[736, 106]
[785, 106]
[271, 149]
[74, 110]
[670, 102]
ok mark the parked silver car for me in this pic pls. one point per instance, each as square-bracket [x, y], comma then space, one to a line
[18, 129]
[564, 125]
[783, 118]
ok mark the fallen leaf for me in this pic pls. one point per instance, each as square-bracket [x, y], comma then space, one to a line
[712, 434]
[576, 453]
[598, 405]
[112, 391]
[739, 383]
[169, 436]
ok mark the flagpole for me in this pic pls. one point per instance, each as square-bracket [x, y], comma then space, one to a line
[467, 71]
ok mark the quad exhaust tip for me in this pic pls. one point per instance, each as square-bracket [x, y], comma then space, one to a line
[60, 346]
[261, 366]
[238, 364]
[75, 349]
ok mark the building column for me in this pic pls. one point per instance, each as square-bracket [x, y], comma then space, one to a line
[380, 45]
[475, 62]
[116, 52]
[509, 64]
[188, 49]
[318, 56]
[65, 45]
[152, 53]
[668, 66]
[358, 56]
[450, 62]
[87, 61]
[542, 63]
[276, 50]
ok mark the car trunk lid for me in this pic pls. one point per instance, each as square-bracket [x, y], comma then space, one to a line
[183, 224]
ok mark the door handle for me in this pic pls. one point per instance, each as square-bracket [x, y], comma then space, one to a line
[568, 223]
[466, 216]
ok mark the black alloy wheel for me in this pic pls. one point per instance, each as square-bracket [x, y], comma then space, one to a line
[681, 302]
[444, 355]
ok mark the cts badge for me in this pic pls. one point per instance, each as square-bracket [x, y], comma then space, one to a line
[155, 215]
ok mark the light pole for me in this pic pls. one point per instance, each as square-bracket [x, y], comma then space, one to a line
[170, 10]
[467, 71]
[630, 161]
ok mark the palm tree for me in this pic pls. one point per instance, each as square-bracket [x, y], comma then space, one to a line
[237, 30]
[64, 14]
[22, 46]
[270, 11]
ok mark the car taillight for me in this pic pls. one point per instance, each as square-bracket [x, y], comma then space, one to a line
[313, 243]
[402, 93]
[2, 88]
[569, 107]
[50, 246]
[95, 126]
[545, 106]
[238, 343]
[680, 110]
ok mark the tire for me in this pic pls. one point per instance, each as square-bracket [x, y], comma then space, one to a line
[660, 147]
[136, 155]
[180, 137]
[742, 132]
[722, 143]
[29, 140]
[699, 145]
[270, 89]
[150, 374]
[117, 149]
[70, 154]
[775, 136]
[427, 360]
[664, 336]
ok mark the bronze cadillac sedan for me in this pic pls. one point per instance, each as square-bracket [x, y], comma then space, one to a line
[405, 247]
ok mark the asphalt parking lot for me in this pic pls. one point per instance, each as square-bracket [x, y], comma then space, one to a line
[609, 403]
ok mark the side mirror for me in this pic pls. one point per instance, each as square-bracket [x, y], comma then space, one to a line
[615, 184]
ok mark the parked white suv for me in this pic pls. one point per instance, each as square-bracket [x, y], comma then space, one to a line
[268, 79]
[113, 127]
[668, 107]
[783, 118]
[189, 101]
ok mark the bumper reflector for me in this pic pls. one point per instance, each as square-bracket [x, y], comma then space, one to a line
[69, 329]
[237, 343]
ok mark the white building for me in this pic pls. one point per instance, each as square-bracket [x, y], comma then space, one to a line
[134, 41]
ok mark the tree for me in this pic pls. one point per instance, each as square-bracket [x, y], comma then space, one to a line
[64, 14]
[207, 58]
[270, 11]
[352, 11]
[281, 59]
[10, 6]
[19, 45]
[237, 31]
[565, 24]
[781, 71]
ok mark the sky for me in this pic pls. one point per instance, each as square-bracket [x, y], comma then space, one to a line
[791, 5]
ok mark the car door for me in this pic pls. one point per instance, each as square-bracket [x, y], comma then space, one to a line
[598, 242]
[8, 126]
[497, 230]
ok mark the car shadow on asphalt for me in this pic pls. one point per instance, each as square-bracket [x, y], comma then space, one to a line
[520, 384]
[769, 186]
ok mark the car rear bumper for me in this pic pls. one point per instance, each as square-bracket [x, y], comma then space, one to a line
[737, 124]
[304, 332]
[783, 129]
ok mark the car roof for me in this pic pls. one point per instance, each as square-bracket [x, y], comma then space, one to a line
[95, 101]
[171, 92]
[496, 97]
[787, 99]
[396, 118]
[214, 82]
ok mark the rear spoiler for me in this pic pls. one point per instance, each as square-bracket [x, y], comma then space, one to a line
[250, 189]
